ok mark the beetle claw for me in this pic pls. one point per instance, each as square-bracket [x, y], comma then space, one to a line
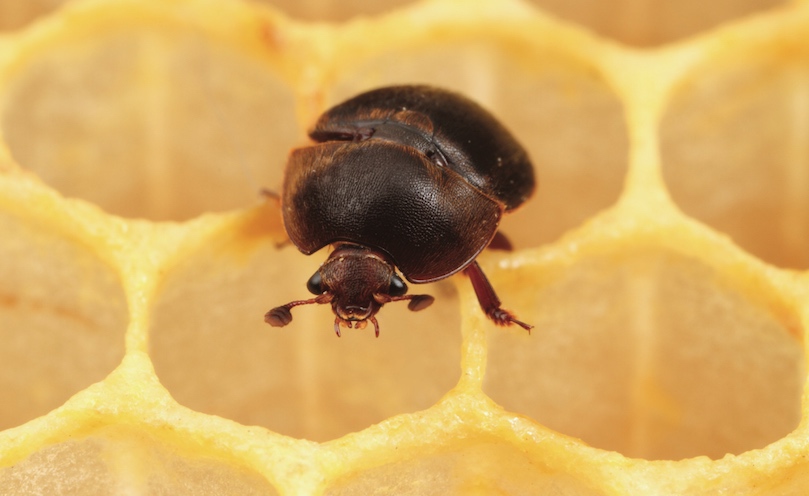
[504, 318]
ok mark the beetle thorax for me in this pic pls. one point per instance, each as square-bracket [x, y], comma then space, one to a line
[356, 277]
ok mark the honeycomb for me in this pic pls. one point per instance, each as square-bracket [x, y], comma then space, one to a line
[664, 259]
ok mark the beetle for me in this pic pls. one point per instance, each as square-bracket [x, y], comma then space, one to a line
[409, 177]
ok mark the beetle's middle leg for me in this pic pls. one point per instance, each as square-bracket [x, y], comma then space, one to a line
[500, 242]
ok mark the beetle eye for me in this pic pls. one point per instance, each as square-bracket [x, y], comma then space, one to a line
[397, 286]
[315, 284]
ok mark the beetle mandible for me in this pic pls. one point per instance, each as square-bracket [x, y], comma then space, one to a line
[413, 177]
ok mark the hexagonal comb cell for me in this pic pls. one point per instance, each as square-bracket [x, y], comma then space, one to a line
[62, 319]
[661, 263]
[651, 23]
[214, 353]
[751, 182]
[130, 108]
[483, 466]
[655, 355]
[115, 458]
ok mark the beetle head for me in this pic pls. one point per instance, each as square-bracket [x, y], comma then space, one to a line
[357, 281]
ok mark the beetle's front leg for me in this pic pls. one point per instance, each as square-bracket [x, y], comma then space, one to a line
[488, 299]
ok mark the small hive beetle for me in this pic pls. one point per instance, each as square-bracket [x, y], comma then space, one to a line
[409, 177]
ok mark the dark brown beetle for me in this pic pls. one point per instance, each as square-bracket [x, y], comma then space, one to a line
[412, 177]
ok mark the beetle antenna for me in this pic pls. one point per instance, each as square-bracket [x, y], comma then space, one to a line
[281, 316]
[417, 302]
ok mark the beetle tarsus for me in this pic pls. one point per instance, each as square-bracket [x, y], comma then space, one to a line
[504, 318]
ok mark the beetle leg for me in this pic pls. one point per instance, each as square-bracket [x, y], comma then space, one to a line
[500, 242]
[337, 326]
[376, 325]
[488, 299]
[268, 193]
